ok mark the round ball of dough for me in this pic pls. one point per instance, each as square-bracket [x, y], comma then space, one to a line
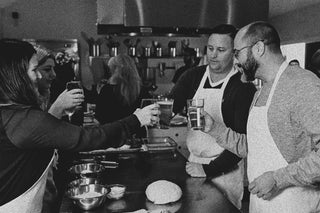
[163, 191]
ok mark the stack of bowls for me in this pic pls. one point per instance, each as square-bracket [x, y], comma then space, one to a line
[87, 191]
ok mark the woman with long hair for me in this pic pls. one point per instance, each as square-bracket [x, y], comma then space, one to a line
[121, 95]
[28, 135]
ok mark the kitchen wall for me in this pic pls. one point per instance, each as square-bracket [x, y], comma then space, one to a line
[299, 26]
[50, 19]
[65, 19]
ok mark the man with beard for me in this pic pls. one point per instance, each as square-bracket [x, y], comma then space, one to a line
[283, 130]
[227, 99]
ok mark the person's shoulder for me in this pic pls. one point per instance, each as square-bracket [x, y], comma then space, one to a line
[236, 82]
[17, 113]
[195, 71]
[107, 88]
[299, 83]
[296, 75]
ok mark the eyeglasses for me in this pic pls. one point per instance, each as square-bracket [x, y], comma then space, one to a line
[237, 52]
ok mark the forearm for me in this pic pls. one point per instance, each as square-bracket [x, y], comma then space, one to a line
[224, 163]
[40, 130]
[108, 135]
[304, 172]
[56, 111]
[229, 139]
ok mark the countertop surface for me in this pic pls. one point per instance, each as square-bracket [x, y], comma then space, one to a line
[138, 170]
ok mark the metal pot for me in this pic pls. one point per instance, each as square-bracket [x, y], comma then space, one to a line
[132, 51]
[158, 51]
[173, 52]
[147, 51]
[94, 49]
[113, 51]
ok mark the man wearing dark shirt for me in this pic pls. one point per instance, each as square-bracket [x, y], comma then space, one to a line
[190, 60]
[227, 99]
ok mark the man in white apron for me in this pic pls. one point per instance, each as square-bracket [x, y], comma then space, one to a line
[283, 128]
[222, 90]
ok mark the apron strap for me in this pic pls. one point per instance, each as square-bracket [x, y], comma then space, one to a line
[279, 73]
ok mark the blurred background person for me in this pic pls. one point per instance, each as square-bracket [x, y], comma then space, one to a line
[189, 59]
[122, 93]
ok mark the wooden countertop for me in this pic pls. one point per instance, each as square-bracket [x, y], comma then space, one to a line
[137, 171]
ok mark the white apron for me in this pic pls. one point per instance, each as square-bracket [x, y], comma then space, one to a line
[263, 156]
[31, 200]
[203, 147]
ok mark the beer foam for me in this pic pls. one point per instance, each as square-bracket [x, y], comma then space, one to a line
[165, 102]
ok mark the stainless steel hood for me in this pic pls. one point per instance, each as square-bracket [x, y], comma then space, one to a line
[175, 17]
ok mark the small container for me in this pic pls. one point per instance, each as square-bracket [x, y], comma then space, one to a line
[147, 51]
[113, 51]
[159, 52]
[116, 191]
[173, 52]
[132, 51]
[198, 54]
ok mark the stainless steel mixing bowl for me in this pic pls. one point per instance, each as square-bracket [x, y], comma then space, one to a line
[87, 170]
[83, 181]
[88, 197]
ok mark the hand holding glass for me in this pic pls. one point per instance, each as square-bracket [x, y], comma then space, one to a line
[70, 86]
[146, 102]
[195, 113]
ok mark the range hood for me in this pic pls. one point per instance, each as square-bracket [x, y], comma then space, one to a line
[175, 17]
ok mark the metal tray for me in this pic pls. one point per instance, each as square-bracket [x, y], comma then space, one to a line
[106, 151]
[161, 144]
[152, 144]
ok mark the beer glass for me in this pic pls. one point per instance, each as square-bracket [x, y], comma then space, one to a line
[70, 86]
[165, 107]
[195, 113]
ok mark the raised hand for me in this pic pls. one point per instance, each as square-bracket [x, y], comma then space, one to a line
[66, 100]
[148, 115]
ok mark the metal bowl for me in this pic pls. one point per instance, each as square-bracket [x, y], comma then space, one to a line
[88, 197]
[83, 181]
[87, 169]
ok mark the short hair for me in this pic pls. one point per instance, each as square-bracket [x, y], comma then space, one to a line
[225, 29]
[189, 51]
[263, 31]
[15, 83]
